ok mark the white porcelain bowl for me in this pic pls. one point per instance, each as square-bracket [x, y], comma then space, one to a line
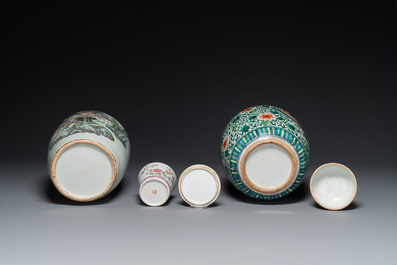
[333, 186]
[199, 185]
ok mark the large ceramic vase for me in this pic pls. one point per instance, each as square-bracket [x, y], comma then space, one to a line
[264, 152]
[88, 155]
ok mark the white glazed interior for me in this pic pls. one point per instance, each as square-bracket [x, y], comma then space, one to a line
[199, 185]
[83, 172]
[333, 186]
[268, 165]
[154, 191]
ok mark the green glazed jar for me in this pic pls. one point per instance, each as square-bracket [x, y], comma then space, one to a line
[265, 152]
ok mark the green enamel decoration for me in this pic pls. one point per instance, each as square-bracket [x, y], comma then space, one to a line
[268, 121]
[245, 128]
[95, 122]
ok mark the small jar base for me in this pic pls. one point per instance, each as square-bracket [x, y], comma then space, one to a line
[154, 191]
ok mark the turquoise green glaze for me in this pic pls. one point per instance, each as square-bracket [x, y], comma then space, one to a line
[252, 124]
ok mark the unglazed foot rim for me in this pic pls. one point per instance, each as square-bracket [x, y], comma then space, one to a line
[271, 190]
[79, 198]
[154, 178]
[212, 172]
[322, 204]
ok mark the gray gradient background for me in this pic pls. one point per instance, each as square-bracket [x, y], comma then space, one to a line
[174, 75]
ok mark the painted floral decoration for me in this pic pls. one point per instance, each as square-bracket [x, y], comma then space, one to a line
[224, 144]
[266, 116]
[153, 169]
[95, 122]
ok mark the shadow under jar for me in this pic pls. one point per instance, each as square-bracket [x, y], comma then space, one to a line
[88, 155]
[264, 152]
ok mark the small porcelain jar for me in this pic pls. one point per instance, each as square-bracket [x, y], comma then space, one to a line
[88, 155]
[156, 182]
[264, 152]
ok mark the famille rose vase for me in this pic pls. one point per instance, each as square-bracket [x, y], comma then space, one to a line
[88, 155]
[156, 182]
[264, 152]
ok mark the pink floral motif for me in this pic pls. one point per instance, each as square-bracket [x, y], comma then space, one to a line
[157, 170]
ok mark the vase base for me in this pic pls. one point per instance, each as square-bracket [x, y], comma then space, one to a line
[83, 170]
[269, 165]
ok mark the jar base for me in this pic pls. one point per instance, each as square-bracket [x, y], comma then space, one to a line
[154, 191]
[83, 170]
[268, 165]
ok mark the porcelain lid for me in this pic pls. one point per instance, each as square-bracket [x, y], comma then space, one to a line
[333, 186]
[199, 185]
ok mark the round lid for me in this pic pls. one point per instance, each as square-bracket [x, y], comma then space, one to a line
[199, 185]
[333, 186]
[154, 191]
[83, 170]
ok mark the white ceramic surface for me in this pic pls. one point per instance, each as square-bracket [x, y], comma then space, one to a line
[333, 186]
[270, 160]
[88, 155]
[87, 165]
[199, 185]
[156, 182]
[269, 165]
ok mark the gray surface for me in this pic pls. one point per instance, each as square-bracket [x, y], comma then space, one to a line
[39, 226]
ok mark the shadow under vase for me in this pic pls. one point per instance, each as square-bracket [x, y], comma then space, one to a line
[299, 194]
[140, 202]
[52, 195]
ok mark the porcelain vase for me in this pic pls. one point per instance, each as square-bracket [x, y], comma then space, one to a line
[88, 155]
[265, 152]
